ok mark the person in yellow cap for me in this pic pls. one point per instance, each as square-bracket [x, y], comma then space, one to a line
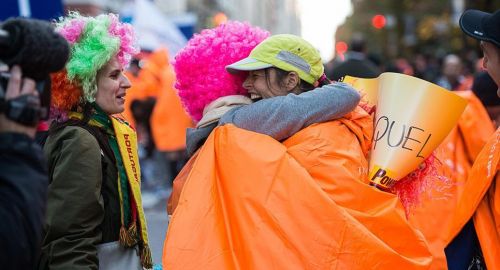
[337, 150]
[285, 68]
[283, 111]
[250, 201]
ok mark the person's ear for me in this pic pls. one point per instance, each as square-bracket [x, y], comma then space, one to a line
[292, 81]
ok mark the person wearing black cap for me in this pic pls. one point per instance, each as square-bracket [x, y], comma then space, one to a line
[474, 238]
[486, 28]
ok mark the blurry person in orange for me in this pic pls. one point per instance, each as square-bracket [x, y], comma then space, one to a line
[169, 122]
[136, 91]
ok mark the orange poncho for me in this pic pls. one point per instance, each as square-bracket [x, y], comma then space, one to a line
[434, 215]
[250, 202]
[135, 92]
[482, 202]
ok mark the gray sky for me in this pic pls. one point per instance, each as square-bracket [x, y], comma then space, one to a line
[320, 19]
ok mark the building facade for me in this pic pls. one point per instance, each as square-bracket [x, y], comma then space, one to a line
[276, 16]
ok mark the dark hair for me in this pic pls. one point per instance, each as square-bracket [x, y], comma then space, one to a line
[304, 86]
[485, 89]
[358, 44]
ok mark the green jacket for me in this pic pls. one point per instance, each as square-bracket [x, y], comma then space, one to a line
[83, 207]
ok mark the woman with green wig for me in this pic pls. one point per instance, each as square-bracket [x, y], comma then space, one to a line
[94, 214]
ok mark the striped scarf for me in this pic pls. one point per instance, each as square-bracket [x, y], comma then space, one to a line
[123, 141]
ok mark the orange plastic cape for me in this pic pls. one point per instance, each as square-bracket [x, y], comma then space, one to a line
[135, 92]
[178, 184]
[482, 201]
[153, 72]
[248, 202]
[346, 142]
[434, 215]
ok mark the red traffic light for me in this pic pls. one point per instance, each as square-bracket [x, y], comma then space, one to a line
[341, 47]
[378, 21]
[219, 18]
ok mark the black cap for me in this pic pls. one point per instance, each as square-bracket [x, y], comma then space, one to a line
[481, 25]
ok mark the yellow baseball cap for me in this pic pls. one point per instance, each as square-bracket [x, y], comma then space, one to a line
[286, 52]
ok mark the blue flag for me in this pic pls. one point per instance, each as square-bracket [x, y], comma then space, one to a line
[44, 10]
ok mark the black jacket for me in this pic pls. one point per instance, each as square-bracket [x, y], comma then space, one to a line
[23, 195]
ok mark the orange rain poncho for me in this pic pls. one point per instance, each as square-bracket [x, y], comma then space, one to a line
[482, 202]
[250, 202]
[153, 73]
[434, 215]
[135, 92]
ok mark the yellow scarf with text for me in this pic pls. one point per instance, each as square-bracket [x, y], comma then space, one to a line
[127, 143]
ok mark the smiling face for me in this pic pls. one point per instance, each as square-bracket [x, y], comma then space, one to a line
[266, 83]
[491, 61]
[112, 85]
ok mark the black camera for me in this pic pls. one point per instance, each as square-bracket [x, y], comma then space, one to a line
[38, 50]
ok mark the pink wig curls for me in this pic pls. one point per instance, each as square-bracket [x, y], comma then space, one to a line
[200, 65]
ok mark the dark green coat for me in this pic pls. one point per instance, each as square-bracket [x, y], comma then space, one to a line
[83, 209]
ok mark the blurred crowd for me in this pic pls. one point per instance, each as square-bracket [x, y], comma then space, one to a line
[156, 112]
[451, 71]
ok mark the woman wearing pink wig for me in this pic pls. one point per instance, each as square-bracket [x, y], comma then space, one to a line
[209, 92]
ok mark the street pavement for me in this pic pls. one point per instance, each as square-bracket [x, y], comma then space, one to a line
[157, 219]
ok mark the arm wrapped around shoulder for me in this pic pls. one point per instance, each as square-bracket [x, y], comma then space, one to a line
[281, 117]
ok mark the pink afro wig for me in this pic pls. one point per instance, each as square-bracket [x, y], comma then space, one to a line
[200, 65]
